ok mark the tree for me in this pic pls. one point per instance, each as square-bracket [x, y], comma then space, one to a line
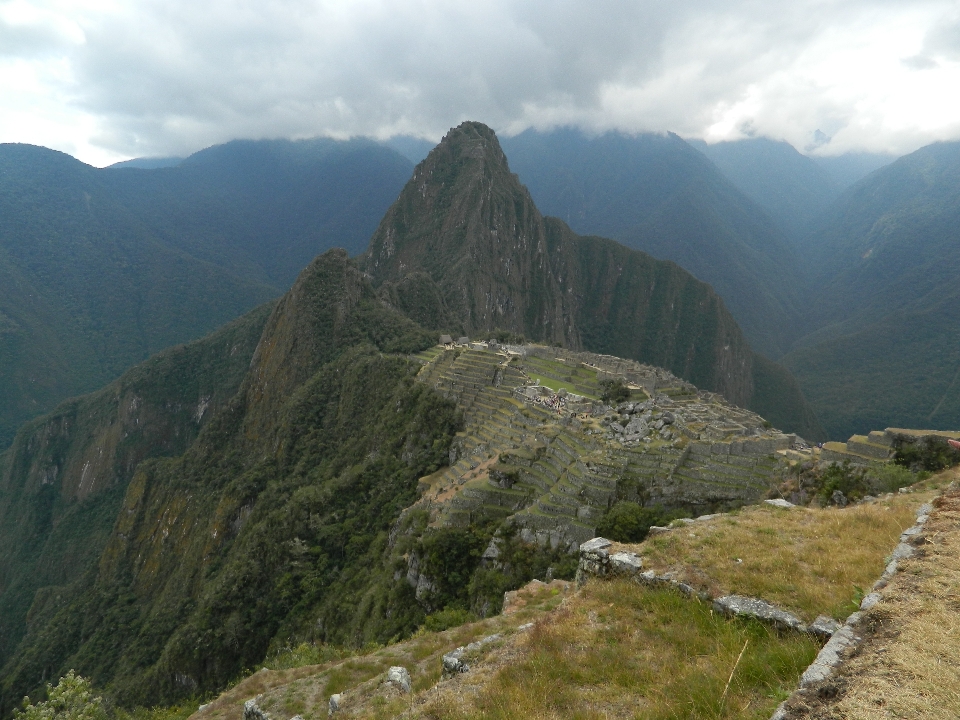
[71, 699]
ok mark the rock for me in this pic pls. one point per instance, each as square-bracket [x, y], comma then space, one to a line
[452, 663]
[780, 503]
[252, 711]
[626, 563]
[839, 499]
[398, 677]
[759, 609]
[203, 707]
[870, 600]
[829, 657]
[334, 705]
[668, 418]
[596, 545]
[823, 627]
[617, 428]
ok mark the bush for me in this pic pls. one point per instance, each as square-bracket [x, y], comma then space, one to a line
[630, 522]
[614, 391]
[929, 453]
[71, 699]
[447, 618]
[849, 480]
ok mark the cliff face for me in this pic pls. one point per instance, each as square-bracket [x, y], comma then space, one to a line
[465, 222]
[65, 475]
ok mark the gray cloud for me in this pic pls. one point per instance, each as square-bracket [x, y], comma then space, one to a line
[168, 77]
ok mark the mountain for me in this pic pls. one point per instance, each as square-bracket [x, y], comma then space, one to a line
[145, 517]
[149, 163]
[312, 471]
[264, 209]
[658, 194]
[87, 290]
[793, 188]
[100, 268]
[885, 262]
[465, 224]
[850, 168]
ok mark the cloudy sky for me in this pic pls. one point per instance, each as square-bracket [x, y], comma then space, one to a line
[106, 80]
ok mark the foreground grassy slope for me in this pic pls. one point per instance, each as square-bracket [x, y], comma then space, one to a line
[614, 647]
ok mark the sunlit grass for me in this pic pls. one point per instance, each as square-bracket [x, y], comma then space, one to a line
[622, 650]
[809, 560]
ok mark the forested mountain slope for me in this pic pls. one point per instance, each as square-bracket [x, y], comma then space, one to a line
[886, 262]
[793, 188]
[658, 194]
[101, 268]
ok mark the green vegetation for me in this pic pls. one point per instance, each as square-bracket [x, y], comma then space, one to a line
[930, 453]
[71, 699]
[627, 521]
[620, 648]
[614, 392]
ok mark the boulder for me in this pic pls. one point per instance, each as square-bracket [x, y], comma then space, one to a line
[334, 705]
[626, 563]
[252, 710]
[399, 678]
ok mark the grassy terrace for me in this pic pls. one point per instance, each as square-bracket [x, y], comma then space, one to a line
[808, 560]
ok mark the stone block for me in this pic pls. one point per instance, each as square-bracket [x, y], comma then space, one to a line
[759, 609]
[626, 563]
[823, 627]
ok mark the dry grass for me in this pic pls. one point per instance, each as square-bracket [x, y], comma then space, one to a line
[618, 649]
[306, 690]
[909, 666]
[808, 560]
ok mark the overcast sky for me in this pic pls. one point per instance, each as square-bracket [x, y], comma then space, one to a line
[106, 80]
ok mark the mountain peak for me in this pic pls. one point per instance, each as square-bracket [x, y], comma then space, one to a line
[466, 222]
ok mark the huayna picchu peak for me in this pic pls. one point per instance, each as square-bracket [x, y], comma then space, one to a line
[465, 248]
[322, 470]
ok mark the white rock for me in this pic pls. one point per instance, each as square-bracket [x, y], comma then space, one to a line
[334, 704]
[780, 503]
[399, 677]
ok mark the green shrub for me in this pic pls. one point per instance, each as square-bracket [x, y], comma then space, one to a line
[71, 699]
[448, 618]
[848, 479]
[614, 391]
[890, 478]
[929, 453]
[628, 521]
